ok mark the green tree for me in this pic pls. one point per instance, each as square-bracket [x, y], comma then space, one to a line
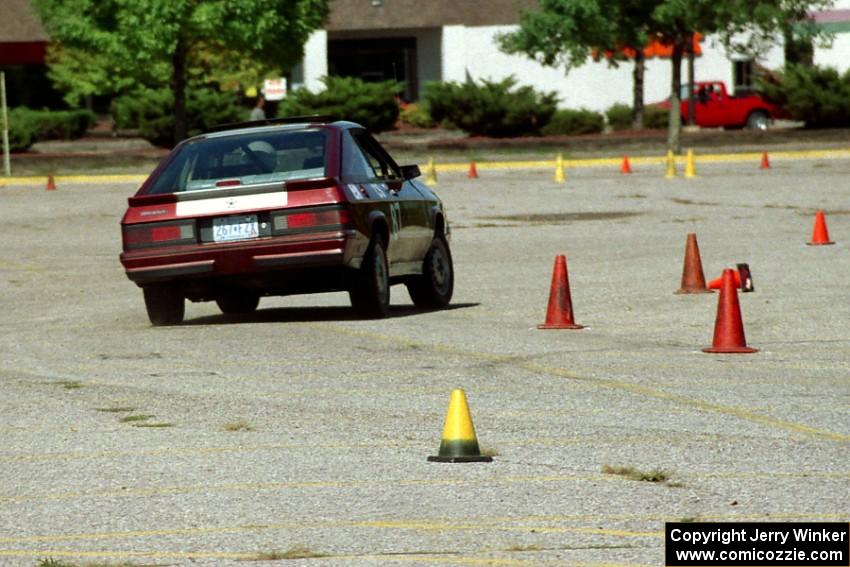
[112, 46]
[745, 26]
[566, 33]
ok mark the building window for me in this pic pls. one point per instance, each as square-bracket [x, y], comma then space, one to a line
[743, 76]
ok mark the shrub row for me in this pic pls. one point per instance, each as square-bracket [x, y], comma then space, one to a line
[818, 96]
[373, 105]
[151, 111]
[27, 126]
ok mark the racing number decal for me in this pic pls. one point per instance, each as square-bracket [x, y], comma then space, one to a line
[395, 213]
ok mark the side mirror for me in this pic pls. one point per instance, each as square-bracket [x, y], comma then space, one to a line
[409, 172]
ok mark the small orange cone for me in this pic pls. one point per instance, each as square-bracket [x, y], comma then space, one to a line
[626, 167]
[559, 314]
[693, 278]
[51, 184]
[820, 236]
[473, 171]
[728, 327]
[743, 279]
[765, 163]
[717, 283]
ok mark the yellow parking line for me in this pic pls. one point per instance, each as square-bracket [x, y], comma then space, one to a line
[237, 487]
[492, 165]
[60, 179]
[643, 160]
[447, 558]
[645, 391]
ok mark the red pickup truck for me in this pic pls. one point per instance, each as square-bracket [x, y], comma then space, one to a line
[714, 107]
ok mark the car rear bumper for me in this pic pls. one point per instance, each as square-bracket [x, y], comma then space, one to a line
[295, 252]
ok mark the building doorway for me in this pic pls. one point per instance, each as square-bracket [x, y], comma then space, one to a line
[374, 60]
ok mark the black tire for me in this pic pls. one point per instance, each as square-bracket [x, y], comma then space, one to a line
[165, 304]
[434, 288]
[758, 120]
[238, 303]
[370, 295]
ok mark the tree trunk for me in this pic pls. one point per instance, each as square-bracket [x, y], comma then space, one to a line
[178, 87]
[674, 130]
[637, 93]
[691, 102]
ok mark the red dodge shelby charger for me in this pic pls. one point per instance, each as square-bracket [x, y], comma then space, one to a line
[281, 207]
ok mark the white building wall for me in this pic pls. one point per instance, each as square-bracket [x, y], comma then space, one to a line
[314, 66]
[838, 53]
[594, 85]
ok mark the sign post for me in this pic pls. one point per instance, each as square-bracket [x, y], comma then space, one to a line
[7, 166]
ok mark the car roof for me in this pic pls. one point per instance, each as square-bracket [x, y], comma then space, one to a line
[272, 124]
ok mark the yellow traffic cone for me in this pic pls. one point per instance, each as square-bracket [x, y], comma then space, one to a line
[671, 165]
[690, 165]
[560, 177]
[459, 444]
[431, 175]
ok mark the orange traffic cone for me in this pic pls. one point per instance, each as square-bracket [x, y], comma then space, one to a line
[743, 279]
[820, 236]
[765, 163]
[473, 171]
[626, 167]
[51, 184]
[693, 278]
[559, 314]
[717, 283]
[728, 327]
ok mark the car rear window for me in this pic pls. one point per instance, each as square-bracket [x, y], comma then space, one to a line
[245, 159]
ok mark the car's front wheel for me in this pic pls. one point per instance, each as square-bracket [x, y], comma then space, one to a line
[433, 289]
[238, 303]
[165, 304]
[370, 295]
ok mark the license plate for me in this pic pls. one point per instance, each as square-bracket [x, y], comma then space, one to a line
[235, 228]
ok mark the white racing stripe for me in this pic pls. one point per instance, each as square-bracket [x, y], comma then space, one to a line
[232, 204]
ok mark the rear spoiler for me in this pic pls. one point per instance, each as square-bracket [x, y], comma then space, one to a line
[163, 198]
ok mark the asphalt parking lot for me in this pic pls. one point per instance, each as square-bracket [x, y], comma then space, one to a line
[303, 432]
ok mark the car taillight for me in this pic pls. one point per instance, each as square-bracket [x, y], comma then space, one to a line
[158, 234]
[311, 219]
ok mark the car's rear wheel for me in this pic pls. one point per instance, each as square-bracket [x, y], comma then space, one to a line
[165, 304]
[370, 295]
[238, 303]
[433, 289]
[758, 120]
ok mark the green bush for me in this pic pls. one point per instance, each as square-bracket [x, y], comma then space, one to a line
[818, 96]
[27, 126]
[656, 117]
[151, 112]
[416, 115]
[498, 109]
[619, 116]
[568, 122]
[372, 105]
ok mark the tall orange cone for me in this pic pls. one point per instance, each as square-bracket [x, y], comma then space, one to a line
[626, 167]
[820, 236]
[728, 327]
[51, 183]
[459, 443]
[765, 162]
[473, 171]
[559, 314]
[693, 278]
